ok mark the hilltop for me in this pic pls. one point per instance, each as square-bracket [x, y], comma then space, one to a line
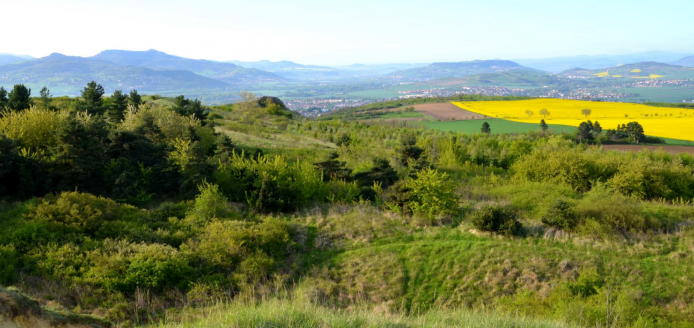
[68, 74]
[459, 69]
[225, 72]
[686, 61]
[644, 70]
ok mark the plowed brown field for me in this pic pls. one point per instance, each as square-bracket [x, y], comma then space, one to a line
[446, 111]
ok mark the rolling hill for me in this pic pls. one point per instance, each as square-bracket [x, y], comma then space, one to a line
[645, 70]
[225, 72]
[560, 64]
[67, 75]
[9, 59]
[686, 61]
[459, 69]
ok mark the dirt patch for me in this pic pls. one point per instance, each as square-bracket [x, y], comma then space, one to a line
[447, 112]
[670, 149]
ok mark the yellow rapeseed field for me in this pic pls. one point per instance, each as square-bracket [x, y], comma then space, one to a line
[675, 123]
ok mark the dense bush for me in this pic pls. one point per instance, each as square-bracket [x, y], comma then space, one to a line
[432, 194]
[496, 218]
[561, 215]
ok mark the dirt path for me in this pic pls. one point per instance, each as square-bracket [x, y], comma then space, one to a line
[446, 112]
[670, 149]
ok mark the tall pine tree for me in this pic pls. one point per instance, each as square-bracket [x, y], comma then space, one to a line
[134, 99]
[119, 102]
[92, 100]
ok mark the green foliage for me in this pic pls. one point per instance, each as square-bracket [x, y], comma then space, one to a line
[432, 194]
[188, 108]
[381, 173]
[119, 103]
[209, 204]
[134, 99]
[46, 98]
[496, 218]
[343, 140]
[19, 98]
[486, 128]
[561, 215]
[92, 101]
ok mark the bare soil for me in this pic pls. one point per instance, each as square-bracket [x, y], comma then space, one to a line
[670, 149]
[447, 112]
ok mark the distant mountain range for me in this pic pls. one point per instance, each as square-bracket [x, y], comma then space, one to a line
[645, 70]
[68, 74]
[225, 72]
[294, 71]
[560, 64]
[459, 69]
[9, 59]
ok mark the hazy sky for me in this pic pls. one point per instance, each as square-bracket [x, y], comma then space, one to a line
[348, 31]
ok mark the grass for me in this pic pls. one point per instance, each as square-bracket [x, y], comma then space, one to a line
[497, 126]
[293, 314]
[401, 114]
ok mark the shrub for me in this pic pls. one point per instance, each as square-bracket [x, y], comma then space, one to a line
[433, 194]
[9, 265]
[79, 212]
[496, 218]
[561, 215]
[209, 204]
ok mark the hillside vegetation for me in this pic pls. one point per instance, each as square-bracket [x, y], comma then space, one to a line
[166, 213]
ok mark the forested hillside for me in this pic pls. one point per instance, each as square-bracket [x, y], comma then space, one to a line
[161, 212]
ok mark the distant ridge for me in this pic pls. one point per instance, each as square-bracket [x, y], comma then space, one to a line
[68, 74]
[644, 70]
[560, 64]
[226, 72]
[686, 61]
[10, 59]
[458, 69]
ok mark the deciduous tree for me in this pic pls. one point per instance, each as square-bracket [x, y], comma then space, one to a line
[586, 112]
[544, 112]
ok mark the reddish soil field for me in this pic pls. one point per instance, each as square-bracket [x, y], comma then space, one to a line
[670, 149]
[446, 112]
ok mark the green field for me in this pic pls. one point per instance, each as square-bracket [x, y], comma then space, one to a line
[497, 125]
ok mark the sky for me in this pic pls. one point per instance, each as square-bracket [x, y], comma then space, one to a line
[327, 32]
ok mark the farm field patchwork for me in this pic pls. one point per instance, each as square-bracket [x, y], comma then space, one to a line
[674, 123]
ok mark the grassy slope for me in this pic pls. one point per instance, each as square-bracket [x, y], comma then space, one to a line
[298, 315]
[497, 125]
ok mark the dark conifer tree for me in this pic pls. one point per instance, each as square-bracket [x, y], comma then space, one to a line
[486, 128]
[3, 98]
[543, 125]
[119, 103]
[134, 99]
[92, 100]
[20, 98]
